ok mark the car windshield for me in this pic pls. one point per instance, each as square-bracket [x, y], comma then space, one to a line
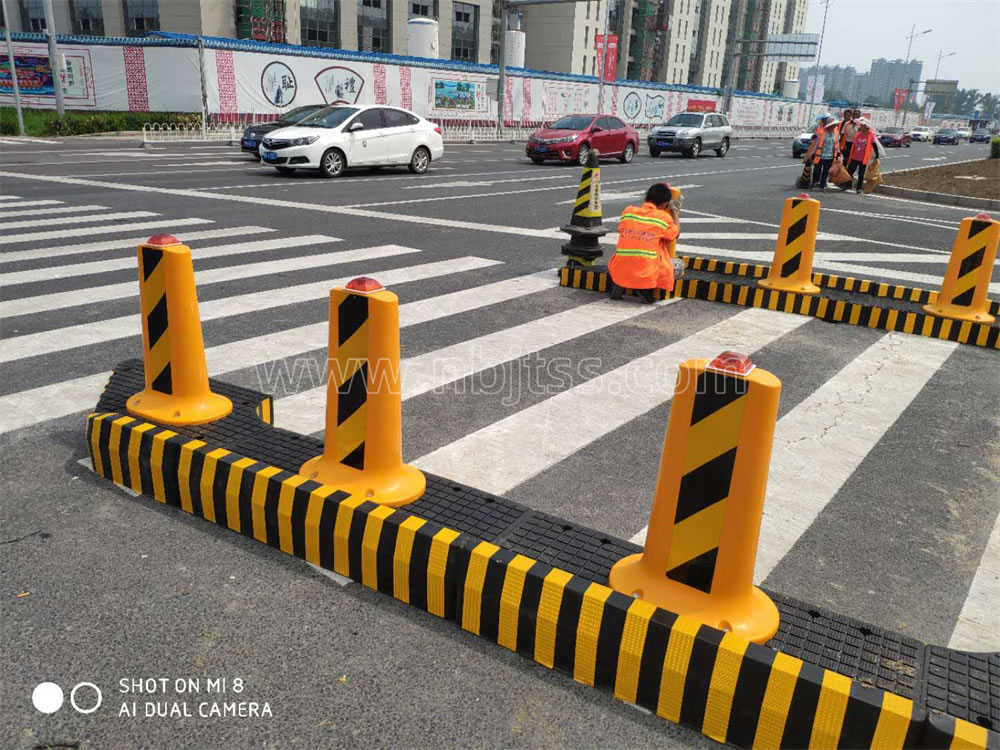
[330, 117]
[685, 121]
[573, 122]
[982, 131]
[299, 113]
[946, 131]
[892, 130]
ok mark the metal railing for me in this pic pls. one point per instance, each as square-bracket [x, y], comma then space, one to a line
[156, 132]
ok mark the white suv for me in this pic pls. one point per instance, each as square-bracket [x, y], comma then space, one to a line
[339, 137]
[921, 133]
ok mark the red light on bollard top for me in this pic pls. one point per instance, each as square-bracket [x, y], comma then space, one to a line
[804, 196]
[983, 216]
[364, 284]
[162, 240]
[731, 362]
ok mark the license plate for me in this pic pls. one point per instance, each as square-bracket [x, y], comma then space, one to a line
[250, 143]
[664, 143]
[541, 149]
[270, 156]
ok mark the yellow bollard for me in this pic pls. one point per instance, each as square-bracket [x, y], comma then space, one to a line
[791, 270]
[963, 292]
[173, 351]
[701, 544]
[363, 452]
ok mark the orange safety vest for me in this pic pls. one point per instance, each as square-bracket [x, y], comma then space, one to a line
[645, 240]
[821, 139]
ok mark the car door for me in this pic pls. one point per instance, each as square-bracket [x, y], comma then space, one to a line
[365, 146]
[603, 140]
[401, 137]
[713, 131]
[621, 135]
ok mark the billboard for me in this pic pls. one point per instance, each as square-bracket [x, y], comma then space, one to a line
[36, 81]
[791, 47]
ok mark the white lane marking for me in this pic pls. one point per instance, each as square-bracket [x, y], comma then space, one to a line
[917, 278]
[820, 257]
[119, 264]
[685, 220]
[54, 234]
[821, 442]
[610, 196]
[506, 453]
[929, 222]
[85, 334]
[487, 183]
[22, 139]
[750, 235]
[114, 216]
[303, 412]
[35, 405]
[89, 295]
[923, 205]
[23, 204]
[63, 251]
[10, 197]
[978, 626]
[51, 211]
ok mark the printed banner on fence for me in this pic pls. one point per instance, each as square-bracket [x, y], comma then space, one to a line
[454, 95]
[564, 98]
[701, 105]
[35, 78]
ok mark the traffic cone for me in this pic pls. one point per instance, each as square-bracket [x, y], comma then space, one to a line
[363, 453]
[585, 228]
[791, 270]
[173, 352]
[701, 543]
[963, 292]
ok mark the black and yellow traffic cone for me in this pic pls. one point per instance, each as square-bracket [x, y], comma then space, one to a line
[701, 544]
[963, 292]
[585, 228]
[177, 390]
[363, 452]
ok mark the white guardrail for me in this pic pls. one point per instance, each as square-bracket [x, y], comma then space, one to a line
[454, 131]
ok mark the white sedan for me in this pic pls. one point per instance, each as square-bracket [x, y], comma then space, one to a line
[339, 137]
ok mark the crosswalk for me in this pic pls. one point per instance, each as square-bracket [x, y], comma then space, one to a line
[554, 397]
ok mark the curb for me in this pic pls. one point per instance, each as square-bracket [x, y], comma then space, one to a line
[989, 204]
[714, 682]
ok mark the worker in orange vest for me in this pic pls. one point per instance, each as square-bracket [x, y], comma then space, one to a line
[643, 260]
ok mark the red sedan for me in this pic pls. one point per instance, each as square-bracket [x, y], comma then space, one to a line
[895, 137]
[571, 138]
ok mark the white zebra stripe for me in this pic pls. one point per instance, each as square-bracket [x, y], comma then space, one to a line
[162, 225]
[113, 216]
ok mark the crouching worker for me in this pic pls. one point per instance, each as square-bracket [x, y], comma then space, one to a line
[643, 260]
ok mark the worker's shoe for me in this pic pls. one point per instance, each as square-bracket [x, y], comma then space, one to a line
[646, 295]
[617, 291]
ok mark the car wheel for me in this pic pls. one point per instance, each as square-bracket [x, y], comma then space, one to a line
[723, 149]
[695, 151]
[255, 156]
[628, 154]
[332, 163]
[420, 160]
[908, 145]
[582, 154]
[654, 152]
[285, 170]
[538, 161]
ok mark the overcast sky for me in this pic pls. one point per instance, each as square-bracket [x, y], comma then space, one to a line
[857, 31]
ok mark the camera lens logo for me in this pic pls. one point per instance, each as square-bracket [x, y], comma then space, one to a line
[48, 697]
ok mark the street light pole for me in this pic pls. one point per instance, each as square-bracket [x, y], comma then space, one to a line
[819, 57]
[913, 35]
[13, 68]
[54, 64]
[604, 52]
[941, 56]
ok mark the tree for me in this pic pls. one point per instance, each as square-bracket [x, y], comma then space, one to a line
[989, 105]
[966, 101]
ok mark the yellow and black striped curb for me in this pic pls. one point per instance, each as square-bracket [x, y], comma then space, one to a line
[886, 318]
[725, 687]
[825, 280]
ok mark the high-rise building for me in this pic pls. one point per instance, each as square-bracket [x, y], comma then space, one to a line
[838, 82]
[709, 47]
[562, 37]
[464, 30]
[889, 75]
[795, 23]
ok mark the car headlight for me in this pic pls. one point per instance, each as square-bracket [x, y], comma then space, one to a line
[564, 139]
[305, 140]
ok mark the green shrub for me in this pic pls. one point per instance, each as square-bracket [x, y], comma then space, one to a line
[995, 147]
[43, 122]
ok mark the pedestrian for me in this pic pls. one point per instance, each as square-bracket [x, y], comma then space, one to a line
[824, 148]
[863, 151]
[643, 260]
[848, 127]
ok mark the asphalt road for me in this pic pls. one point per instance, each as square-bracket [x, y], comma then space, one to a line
[882, 502]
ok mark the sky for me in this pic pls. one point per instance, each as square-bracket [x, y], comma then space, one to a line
[858, 31]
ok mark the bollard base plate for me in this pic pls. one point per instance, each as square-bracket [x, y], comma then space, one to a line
[957, 312]
[751, 615]
[391, 487]
[784, 285]
[178, 410]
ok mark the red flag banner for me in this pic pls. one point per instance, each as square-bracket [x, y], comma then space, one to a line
[899, 98]
[607, 58]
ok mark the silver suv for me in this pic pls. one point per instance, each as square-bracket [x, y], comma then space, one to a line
[691, 133]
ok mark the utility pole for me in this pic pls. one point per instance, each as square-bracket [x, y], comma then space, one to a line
[941, 56]
[54, 64]
[13, 68]
[732, 55]
[502, 64]
[604, 52]
[819, 57]
[913, 35]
